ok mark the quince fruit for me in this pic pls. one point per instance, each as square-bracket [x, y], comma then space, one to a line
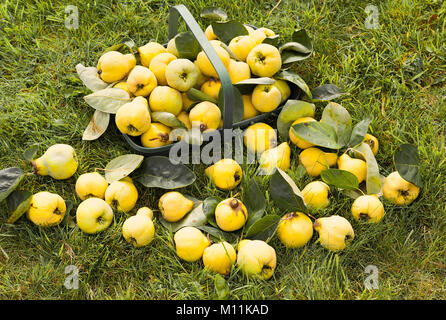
[231, 214]
[167, 99]
[94, 215]
[266, 97]
[219, 257]
[316, 195]
[190, 243]
[301, 143]
[174, 206]
[114, 66]
[356, 166]
[333, 232]
[314, 160]
[47, 209]
[141, 81]
[257, 258]
[139, 229]
[248, 109]
[238, 71]
[226, 174]
[260, 137]
[133, 118]
[398, 190]
[158, 67]
[205, 115]
[157, 136]
[91, 184]
[372, 142]
[181, 74]
[295, 229]
[211, 88]
[149, 51]
[122, 195]
[264, 60]
[209, 33]
[278, 157]
[241, 46]
[261, 34]
[369, 208]
[205, 65]
[123, 85]
[284, 89]
[59, 161]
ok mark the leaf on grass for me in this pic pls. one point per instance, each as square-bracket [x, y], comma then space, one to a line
[120, 167]
[97, 126]
[285, 193]
[373, 181]
[407, 163]
[90, 78]
[338, 117]
[326, 92]
[30, 152]
[262, 225]
[218, 234]
[292, 110]
[300, 48]
[255, 202]
[108, 100]
[340, 179]
[317, 133]
[226, 31]
[159, 172]
[18, 202]
[9, 180]
[359, 132]
[209, 205]
[194, 218]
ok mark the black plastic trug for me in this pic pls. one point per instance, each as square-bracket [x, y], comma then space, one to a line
[223, 75]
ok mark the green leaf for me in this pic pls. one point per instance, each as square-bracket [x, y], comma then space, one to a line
[9, 180]
[218, 235]
[296, 79]
[248, 85]
[273, 40]
[214, 13]
[231, 54]
[373, 181]
[209, 205]
[90, 77]
[317, 133]
[197, 95]
[168, 119]
[326, 92]
[338, 117]
[226, 31]
[122, 166]
[159, 172]
[30, 152]
[221, 287]
[194, 218]
[340, 179]
[108, 100]
[359, 132]
[407, 163]
[18, 203]
[285, 193]
[299, 49]
[187, 45]
[255, 202]
[237, 106]
[292, 110]
[97, 126]
[262, 224]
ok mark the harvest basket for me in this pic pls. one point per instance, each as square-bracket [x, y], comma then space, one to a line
[226, 84]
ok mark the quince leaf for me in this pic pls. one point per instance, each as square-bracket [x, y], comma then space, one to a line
[262, 224]
[359, 132]
[90, 77]
[194, 218]
[338, 117]
[292, 110]
[187, 45]
[120, 167]
[407, 163]
[255, 202]
[326, 92]
[167, 119]
[317, 133]
[108, 100]
[213, 13]
[9, 180]
[285, 193]
[340, 179]
[226, 31]
[97, 125]
[373, 181]
[18, 203]
[295, 79]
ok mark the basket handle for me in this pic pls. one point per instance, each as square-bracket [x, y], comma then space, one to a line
[228, 89]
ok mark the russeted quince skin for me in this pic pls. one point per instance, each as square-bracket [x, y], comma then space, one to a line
[205, 115]
[278, 157]
[141, 81]
[316, 195]
[46, 209]
[301, 143]
[157, 136]
[166, 99]
[368, 208]
[264, 60]
[91, 184]
[356, 166]
[114, 66]
[181, 74]
[231, 214]
[94, 215]
[260, 137]
[372, 142]
[139, 229]
[219, 257]
[190, 243]
[295, 229]
[133, 118]
[314, 161]
[256, 258]
[59, 161]
[226, 174]
[122, 195]
[333, 232]
[158, 66]
[174, 206]
[398, 190]
[149, 51]
[266, 97]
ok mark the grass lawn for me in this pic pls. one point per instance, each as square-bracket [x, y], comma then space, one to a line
[396, 73]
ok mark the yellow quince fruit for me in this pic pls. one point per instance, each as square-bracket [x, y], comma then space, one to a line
[181, 74]
[278, 157]
[260, 137]
[231, 214]
[284, 89]
[316, 195]
[59, 161]
[190, 243]
[369, 208]
[139, 229]
[398, 190]
[149, 51]
[133, 118]
[211, 88]
[219, 257]
[47, 209]
[266, 97]
[261, 34]
[166, 99]
[238, 71]
[141, 81]
[264, 60]
[356, 166]
[314, 161]
[157, 136]
[248, 109]
[158, 66]
[301, 143]
[226, 174]
[205, 65]
[123, 85]
[334, 231]
[295, 229]
[257, 258]
[94, 215]
[241, 46]
[114, 66]
[122, 195]
[372, 142]
[205, 115]
[174, 206]
[209, 33]
[91, 184]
